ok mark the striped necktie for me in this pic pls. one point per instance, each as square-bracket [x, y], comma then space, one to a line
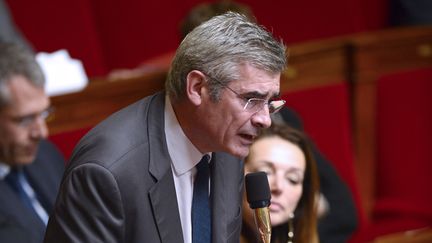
[17, 180]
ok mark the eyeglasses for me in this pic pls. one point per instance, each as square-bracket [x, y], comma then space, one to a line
[254, 105]
[28, 120]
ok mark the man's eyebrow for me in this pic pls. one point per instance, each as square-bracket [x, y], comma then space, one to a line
[276, 96]
[256, 94]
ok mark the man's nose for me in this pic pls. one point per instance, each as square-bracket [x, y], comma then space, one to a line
[262, 118]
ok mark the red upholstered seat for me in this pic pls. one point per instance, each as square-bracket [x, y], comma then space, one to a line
[404, 132]
[112, 34]
[54, 25]
[66, 141]
[326, 117]
[404, 166]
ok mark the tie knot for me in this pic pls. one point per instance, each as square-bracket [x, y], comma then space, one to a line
[15, 179]
[204, 163]
[15, 175]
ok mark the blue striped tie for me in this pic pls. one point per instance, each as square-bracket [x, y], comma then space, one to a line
[201, 215]
[16, 178]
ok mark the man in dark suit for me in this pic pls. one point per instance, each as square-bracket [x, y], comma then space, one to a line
[30, 167]
[133, 177]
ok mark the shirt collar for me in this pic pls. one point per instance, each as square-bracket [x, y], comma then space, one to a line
[4, 170]
[184, 155]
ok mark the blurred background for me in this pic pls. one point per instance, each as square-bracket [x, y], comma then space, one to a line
[112, 34]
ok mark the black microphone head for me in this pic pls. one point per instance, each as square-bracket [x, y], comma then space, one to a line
[257, 190]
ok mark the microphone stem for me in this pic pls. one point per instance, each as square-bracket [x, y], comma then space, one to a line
[262, 220]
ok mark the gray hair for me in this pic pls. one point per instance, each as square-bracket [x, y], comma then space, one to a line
[17, 61]
[218, 48]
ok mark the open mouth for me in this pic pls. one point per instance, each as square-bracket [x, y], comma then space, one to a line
[249, 138]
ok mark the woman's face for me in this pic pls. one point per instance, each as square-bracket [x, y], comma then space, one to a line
[285, 166]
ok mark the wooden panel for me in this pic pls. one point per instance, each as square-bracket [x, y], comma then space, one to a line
[413, 236]
[365, 144]
[315, 64]
[391, 50]
[99, 100]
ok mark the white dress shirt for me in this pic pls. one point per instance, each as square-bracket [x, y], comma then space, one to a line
[184, 156]
[4, 170]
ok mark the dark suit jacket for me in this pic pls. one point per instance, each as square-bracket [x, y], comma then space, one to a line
[120, 187]
[17, 224]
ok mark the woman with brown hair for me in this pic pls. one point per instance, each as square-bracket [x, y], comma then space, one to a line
[284, 154]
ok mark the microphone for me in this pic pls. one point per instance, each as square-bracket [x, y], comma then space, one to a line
[258, 197]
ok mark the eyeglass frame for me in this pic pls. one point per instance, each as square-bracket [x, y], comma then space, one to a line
[27, 120]
[250, 100]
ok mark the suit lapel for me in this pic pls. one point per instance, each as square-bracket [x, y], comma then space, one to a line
[162, 195]
[219, 200]
[164, 201]
[227, 185]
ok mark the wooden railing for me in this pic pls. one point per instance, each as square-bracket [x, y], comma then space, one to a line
[100, 99]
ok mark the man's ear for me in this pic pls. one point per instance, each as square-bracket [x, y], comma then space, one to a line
[195, 81]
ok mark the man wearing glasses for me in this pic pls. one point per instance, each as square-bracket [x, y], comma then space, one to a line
[30, 166]
[168, 168]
